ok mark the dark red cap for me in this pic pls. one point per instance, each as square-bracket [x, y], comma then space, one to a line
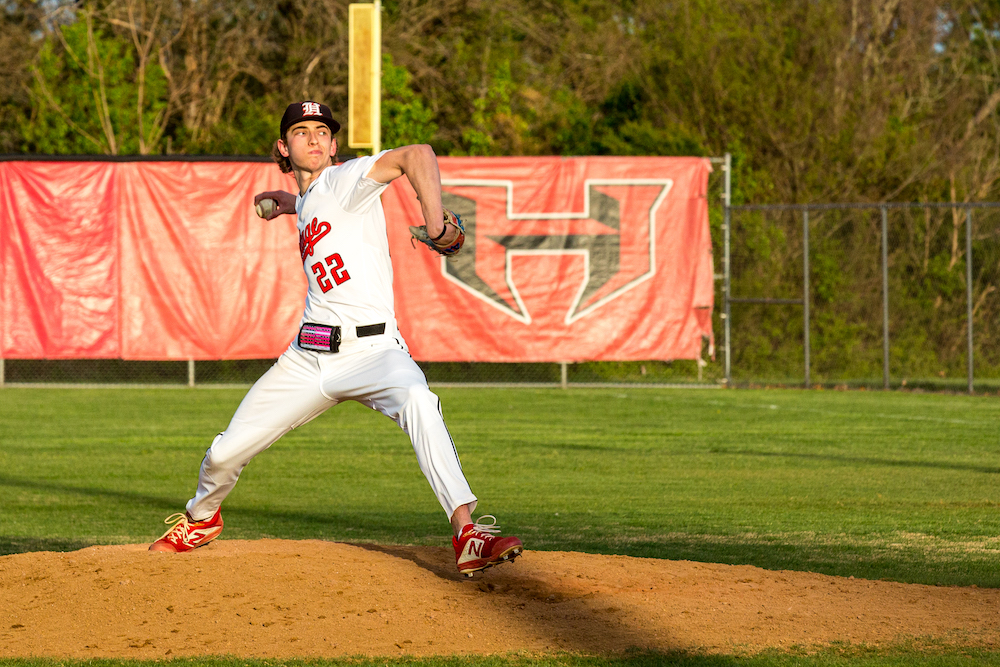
[300, 111]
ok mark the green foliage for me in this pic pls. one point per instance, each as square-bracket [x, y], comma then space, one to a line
[405, 118]
[820, 103]
[619, 126]
[250, 128]
[493, 116]
[86, 96]
[19, 20]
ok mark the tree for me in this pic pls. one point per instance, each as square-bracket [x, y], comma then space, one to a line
[405, 118]
[92, 95]
[19, 20]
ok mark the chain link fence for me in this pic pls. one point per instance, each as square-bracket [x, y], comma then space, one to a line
[882, 296]
[48, 372]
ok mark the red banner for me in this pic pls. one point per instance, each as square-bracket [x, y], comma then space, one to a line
[58, 260]
[566, 259]
[205, 278]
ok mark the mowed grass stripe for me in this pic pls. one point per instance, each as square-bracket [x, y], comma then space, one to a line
[883, 485]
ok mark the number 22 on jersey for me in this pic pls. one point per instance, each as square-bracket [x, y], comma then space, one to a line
[337, 272]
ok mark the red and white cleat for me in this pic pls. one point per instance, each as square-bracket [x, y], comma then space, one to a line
[479, 547]
[186, 534]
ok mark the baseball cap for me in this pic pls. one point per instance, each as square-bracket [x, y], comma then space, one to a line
[300, 111]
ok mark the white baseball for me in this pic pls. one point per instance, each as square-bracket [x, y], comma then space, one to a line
[266, 207]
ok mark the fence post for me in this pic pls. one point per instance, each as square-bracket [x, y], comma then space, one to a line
[885, 297]
[805, 289]
[2, 372]
[726, 203]
[563, 374]
[968, 289]
[190, 372]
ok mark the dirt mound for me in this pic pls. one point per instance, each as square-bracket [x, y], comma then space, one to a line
[277, 598]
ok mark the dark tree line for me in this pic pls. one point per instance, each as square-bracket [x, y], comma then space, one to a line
[835, 100]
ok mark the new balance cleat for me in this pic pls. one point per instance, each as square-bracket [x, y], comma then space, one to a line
[186, 534]
[479, 547]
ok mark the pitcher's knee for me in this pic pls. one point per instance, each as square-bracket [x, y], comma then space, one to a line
[220, 459]
[228, 454]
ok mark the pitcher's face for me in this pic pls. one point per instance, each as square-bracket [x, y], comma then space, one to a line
[309, 146]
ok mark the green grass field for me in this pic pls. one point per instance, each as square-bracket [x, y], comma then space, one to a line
[897, 486]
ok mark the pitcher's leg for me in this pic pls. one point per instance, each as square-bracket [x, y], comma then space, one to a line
[391, 382]
[419, 415]
[279, 401]
[417, 410]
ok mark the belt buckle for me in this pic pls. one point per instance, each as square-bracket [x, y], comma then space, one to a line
[319, 337]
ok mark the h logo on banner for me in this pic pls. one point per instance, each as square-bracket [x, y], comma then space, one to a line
[614, 235]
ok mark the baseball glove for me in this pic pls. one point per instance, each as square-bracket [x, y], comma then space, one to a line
[447, 250]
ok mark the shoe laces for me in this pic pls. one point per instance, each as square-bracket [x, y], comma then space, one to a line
[489, 528]
[180, 525]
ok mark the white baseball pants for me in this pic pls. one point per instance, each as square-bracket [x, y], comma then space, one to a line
[376, 372]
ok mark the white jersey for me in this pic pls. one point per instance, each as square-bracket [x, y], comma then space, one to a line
[344, 249]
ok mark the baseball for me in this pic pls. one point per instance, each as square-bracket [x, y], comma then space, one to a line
[266, 207]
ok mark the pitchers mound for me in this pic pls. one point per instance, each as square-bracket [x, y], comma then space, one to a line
[282, 599]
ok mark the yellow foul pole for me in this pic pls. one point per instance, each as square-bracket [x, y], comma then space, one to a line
[364, 78]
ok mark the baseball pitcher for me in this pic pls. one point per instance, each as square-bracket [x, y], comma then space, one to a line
[348, 346]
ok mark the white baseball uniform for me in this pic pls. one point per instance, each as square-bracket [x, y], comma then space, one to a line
[345, 254]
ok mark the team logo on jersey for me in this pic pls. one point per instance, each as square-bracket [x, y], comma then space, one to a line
[613, 238]
[310, 236]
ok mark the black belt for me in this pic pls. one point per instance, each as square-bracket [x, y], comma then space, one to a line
[326, 338]
[371, 330]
